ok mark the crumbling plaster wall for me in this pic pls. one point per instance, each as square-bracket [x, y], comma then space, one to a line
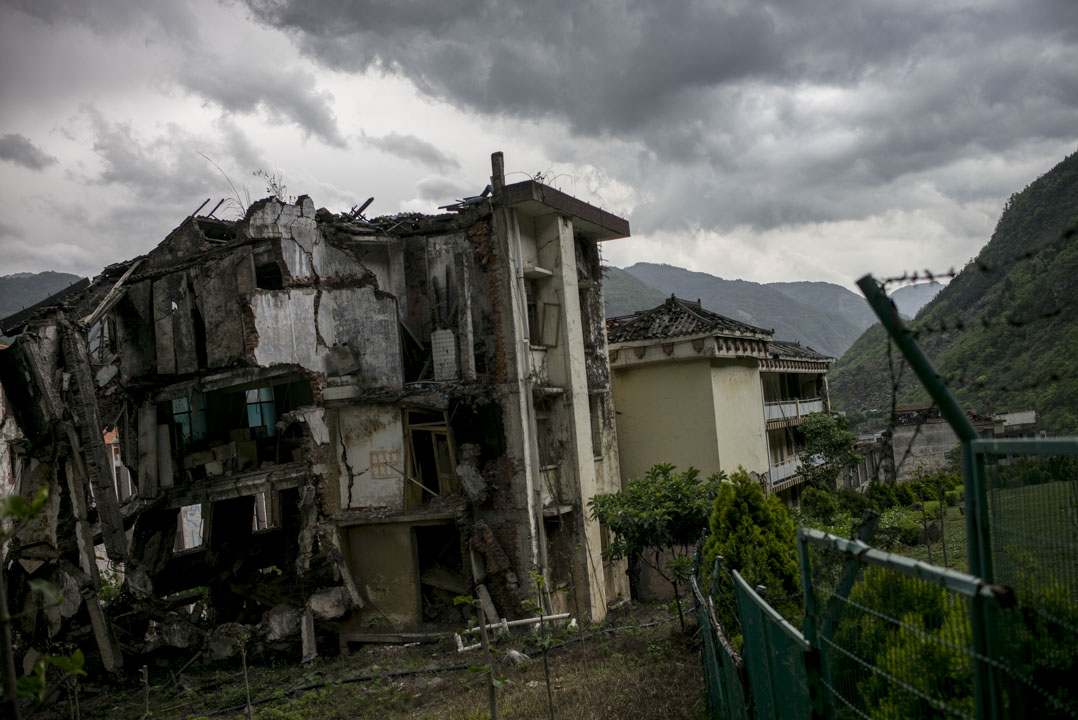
[297, 327]
[370, 448]
[305, 253]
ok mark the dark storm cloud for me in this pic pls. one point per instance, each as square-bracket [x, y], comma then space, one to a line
[281, 95]
[18, 149]
[10, 231]
[410, 147]
[235, 84]
[440, 190]
[757, 114]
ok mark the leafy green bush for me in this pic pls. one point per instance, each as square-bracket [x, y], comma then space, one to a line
[953, 497]
[664, 510]
[897, 527]
[853, 502]
[882, 495]
[904, 494]
[820, 504]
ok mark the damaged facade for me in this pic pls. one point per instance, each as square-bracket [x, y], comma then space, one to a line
[327, 426]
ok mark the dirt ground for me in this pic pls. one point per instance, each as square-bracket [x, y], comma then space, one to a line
[637, 665]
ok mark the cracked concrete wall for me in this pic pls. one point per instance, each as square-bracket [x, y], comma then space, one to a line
[297, 327]
[370, 448]
[306, 254]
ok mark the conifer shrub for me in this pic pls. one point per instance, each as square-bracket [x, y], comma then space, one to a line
[752, 533]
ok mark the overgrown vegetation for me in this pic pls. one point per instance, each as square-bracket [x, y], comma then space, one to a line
[628, 669]
[828, 453]
[663, 512]
[1012, 334]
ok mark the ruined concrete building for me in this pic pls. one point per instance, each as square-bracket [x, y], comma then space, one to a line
[328, 427]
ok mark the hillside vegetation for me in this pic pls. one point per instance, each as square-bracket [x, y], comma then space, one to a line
[1008, 340]
[624, 293]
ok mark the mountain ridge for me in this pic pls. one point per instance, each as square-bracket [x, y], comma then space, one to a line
[1002, 332]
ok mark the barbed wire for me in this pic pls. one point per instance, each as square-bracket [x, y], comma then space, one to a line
[986, 322]
[928, 275]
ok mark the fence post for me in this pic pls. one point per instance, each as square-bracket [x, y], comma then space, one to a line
[814, 669]
[987, 685]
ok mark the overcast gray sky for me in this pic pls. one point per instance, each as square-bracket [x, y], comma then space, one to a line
[758, 139]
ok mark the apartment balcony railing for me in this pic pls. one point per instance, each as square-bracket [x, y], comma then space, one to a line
[793, 410]
[785, 470]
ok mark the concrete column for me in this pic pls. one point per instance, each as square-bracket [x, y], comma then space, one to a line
[575, 382]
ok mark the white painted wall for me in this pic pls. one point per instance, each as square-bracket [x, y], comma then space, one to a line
[739, 415]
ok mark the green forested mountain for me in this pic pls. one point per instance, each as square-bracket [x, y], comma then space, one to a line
[24, 289]
[624, 294]
[1009, 339]
[756, 304]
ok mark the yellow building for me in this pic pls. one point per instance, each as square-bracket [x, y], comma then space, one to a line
[694, 388]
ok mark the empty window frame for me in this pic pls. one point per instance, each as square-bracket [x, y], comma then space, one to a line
[261, 411]
[189, 413]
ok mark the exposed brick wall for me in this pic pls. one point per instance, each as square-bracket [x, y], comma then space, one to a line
[487, 257]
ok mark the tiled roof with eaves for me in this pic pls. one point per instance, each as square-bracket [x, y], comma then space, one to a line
[794, 350]
[677, 318]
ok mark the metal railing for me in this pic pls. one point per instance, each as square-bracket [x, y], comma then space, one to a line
[792, 409]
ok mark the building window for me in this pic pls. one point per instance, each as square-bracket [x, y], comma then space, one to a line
[190, 417]
[260, 410]
[100, 341]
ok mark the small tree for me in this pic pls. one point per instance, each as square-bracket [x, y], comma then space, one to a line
[753, 534]
[664, 511]
[828, 453]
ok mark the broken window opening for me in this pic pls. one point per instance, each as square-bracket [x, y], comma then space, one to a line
[190, 417]
[189, 533]
[268, 276]
[440, 562]
[261, 411]
[199, 326]
[431, 458]
[100, 340]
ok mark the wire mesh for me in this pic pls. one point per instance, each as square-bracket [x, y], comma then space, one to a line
[893, 646]
[722, 670]
[774, 658]
[1033, 530]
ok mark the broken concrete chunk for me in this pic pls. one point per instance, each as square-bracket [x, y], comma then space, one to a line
[225, 641]
[281, 621]
[179, 632]
[329, 604]
[515, 657]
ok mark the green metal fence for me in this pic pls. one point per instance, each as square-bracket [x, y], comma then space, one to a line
[896, 637]
[1029, 543]
[886, 636]
[724, 673]
[774, 653]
